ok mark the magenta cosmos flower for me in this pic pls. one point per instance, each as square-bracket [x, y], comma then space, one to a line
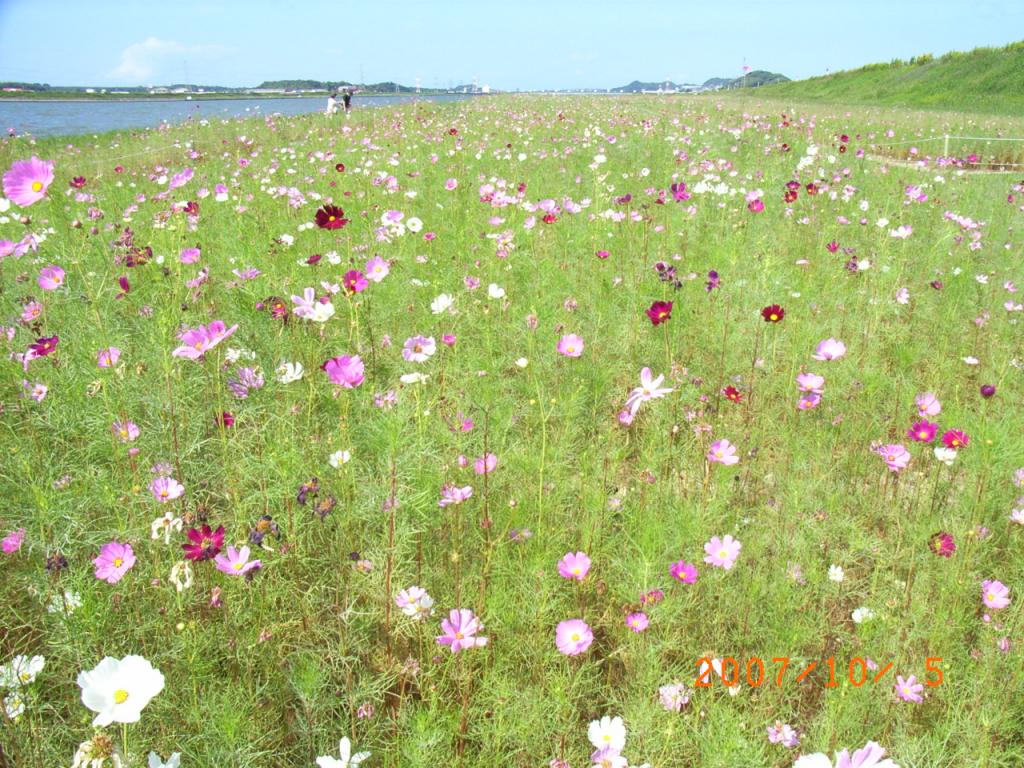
[995, 594]
[575, 565]
[12, 541]
[125, 430]
[909, 689]
[895, 456]
[107, 358]
[811, 383]
[236, 562]
[460, 629]
[722, 553]
[114, 561]
[923, 431]
[355, 281]
[683, 571]
[570, 345]
[955, 439]
[26, 182]
[723, 452]
[51, 278]
[573, 637]
[198, 341]
[203, 543]
[165, 489]
[829, 349]
[346, 371]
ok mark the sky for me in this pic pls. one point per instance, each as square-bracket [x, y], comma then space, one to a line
[529, 45]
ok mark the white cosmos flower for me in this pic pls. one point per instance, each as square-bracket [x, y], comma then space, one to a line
[862, 614]
[413, 224]
[165, 525]
[946, 455]
[836, 573]
[14, 706]
[413, 378]
[522, 362]
[322, 312]
[21, 671]
[289, 372]
[441, 304]
[607, 732]
[348, 760]
[174, 761]
[338, 458]
[495, 291]
[118, 689]
[66, 603]
[181, 575]
[650, 389]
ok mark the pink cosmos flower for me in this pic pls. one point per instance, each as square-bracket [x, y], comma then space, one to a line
[955, 439]
[126, 430]
[923, 431]
[722, 553]
[198, 341]
[449, 339]
[165, 489]
[460, 629]
[26, 181]
[31, 312]
[51, 278]
[574, 566]
[927, 405]
[451, 184]
[451, 494]
[355, 282]
[755, 206]
[570, 345]
[346, 371]
[190, 255]
[114, 561]
[870, 756]
[784, 734]
[829, 349]
[236, 562]
[684, 572]
[909, 689]
[723, 452]
[419, 349]
[377, 269]
[573, 637]
[107, 358]
[809, 402]
[12, 541]
[811, 382]
[650, 389]
[638, 621]
[896, 457]
[995, 594]
[486, 464]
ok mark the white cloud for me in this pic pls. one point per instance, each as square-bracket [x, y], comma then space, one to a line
[140, 60]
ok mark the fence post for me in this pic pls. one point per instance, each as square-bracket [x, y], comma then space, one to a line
[945, 146]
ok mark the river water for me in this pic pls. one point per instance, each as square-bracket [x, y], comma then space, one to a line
[74, 118]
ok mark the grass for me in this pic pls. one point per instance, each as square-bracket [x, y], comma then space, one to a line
[280, 670]
[983, 80]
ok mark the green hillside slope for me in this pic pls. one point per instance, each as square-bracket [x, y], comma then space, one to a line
[985, 79]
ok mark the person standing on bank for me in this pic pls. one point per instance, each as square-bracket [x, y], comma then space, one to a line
[332, 104]
[347, 97]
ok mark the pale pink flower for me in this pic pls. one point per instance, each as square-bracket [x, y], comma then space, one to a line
[722, 553]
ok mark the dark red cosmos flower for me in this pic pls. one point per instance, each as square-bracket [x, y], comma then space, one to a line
[453, 132]
[191, 208]
[790, 196]
[659, 312]
[78, 182]
[844, 138]
[275, 305]
[314, 258]
[340, 167]
[773, 313]
[812, 188]
[125, 286]
[832, 247]
[842, 148]
[942, 544]
[550, 218]
[330, 217]
[713, 281]
[45, 345]
[793, 185]
[226, 419]
[205, 543]
[731, 393]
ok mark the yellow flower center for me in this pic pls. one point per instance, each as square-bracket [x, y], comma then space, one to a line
[417, 349]
[722, 553]
[570, 350]
[575, 637]
[120, 696]
[773, 317]
[718, 454]
[124, 432]
[25, 677]
[117, 562]
[330, 218]
[163, 494]
[459, 636]
[238, 566]
[890, 457]
[575, 571]
[37, 186]
[990, 597]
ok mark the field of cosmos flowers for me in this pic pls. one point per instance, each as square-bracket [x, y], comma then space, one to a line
[531, 432]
